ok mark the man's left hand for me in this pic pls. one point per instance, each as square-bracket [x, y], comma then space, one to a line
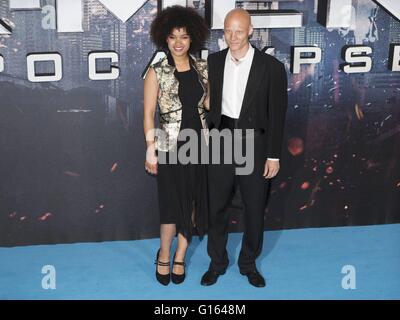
[271, 169]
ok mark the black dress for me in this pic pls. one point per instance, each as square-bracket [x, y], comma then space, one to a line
[182, 188]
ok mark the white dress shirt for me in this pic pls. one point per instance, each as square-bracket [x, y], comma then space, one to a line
[236, 75]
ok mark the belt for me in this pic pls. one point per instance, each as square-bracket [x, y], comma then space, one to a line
[228, 123]
[232, 123]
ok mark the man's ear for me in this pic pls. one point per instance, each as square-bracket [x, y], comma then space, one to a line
[251, 30]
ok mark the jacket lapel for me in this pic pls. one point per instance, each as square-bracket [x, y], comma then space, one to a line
[219, 77]
[256, 72]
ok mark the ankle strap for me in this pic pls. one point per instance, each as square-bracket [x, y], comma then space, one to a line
[179, 263]
[161, 264]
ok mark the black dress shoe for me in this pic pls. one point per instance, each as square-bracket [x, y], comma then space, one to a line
[255, 278]
[162, 278]
[210, 277]
[178, 278]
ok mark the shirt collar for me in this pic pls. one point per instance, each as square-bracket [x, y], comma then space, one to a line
[246, 57]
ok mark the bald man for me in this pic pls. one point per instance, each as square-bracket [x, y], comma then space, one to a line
[248, 90]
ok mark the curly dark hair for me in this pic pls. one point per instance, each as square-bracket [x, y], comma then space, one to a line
[179, 17]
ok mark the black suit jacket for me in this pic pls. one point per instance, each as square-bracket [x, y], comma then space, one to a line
[265, 100]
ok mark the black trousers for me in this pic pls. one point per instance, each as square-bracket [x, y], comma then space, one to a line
[222, 179]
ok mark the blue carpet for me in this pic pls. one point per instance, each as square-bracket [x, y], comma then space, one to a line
[297, 264]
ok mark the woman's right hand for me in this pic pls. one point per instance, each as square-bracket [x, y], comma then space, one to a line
[150, 103]
[151, 161]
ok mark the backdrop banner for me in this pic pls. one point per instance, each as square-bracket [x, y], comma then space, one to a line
[72, 147]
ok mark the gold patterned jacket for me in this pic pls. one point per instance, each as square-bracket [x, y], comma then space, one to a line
[170, 106]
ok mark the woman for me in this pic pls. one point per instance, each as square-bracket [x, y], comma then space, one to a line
[178, 84]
